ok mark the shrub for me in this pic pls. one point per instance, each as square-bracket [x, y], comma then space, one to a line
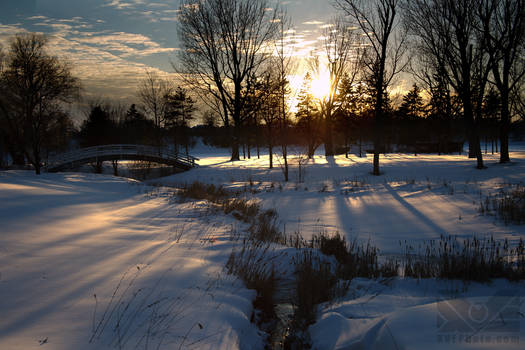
[200, 191]
[241, 209]
[264, 228]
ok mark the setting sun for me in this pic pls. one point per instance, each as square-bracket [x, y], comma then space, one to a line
[321, 85]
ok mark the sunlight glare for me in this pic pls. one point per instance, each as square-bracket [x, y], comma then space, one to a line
[321, 85]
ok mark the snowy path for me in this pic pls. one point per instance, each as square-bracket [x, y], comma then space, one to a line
[67, 237]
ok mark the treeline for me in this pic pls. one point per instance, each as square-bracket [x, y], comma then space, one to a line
[467, 56]
[236, 60]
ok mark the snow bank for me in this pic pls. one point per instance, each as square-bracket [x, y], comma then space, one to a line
[426, 314]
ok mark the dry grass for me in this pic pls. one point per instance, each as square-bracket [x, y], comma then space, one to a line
[508, 204]
[468, 260]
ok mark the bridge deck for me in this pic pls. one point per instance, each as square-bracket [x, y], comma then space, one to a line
[119, 152]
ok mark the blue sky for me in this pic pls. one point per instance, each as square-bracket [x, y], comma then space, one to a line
[111, 43]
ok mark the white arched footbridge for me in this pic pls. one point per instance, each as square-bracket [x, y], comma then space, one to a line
[119, 152]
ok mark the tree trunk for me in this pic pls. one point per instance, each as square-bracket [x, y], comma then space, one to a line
[311, 150]
[504, 131]
[114, 163]
[328, 141]
[235, 144]
[285, 156]
[36, 160]
[270, 154]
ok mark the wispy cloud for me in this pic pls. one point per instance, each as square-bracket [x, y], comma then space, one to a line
[315, 23]
[104, 61]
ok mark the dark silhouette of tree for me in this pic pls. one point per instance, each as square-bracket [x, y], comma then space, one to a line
[442, 110]
[449, 39]
[269, 110]
[379, 23]
[98, 129]
[223, 45]
[136, 128]
[491, 116]
[343, 52]
[308, 116]
[33, 83]
[413, 106]
[179, 112]
[503, 29]
[153, 93]
[354, 110]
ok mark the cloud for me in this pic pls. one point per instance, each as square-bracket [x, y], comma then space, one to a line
[124, 44]
[118, 4]
[315, 23]
[101, 59]
[36, 17]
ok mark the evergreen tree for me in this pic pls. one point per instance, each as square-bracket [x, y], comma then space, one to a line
[98, 129]
[179, 112]
[137, 129]
[308, 116]
[412, 106]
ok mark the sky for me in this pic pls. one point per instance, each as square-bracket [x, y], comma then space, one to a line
[111, 43]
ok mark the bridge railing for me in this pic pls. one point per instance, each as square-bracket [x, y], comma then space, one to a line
[116, 150]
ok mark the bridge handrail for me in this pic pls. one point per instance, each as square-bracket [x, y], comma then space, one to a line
[119, 149]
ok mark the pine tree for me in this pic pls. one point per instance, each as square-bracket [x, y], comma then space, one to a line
[308, 116]
[179, 112]
[412, 106]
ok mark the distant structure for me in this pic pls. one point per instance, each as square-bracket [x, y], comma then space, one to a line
[94, 154]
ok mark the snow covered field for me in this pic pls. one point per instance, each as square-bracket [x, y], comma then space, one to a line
[155, 266]
[94, 261]
[417, 198]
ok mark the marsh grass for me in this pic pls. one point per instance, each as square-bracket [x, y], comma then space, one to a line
[508, 204]
[354, 259]
[254, 267]
[469, 259]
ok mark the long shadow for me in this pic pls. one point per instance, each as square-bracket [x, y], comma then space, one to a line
[431, 224]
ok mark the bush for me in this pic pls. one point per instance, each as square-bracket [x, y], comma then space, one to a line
[200, 191]
[241, 209]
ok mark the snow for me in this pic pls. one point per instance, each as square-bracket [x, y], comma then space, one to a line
[416, 199]
[68, 237]
[425, 314]
[96, 261]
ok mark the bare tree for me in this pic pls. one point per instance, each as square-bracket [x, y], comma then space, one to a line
[224, 42]
[502, 23]
[153, 92]
[34, 83]
[385, 47]
[269, 109]
[448, 37]
[284, 66]
[342, 49]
